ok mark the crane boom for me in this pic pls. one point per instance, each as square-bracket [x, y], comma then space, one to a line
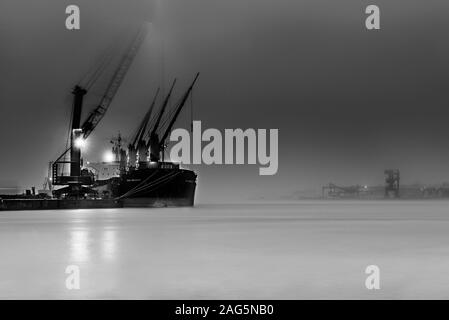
[178, 110]
[161, 112]
[143, 125]
[98, 113]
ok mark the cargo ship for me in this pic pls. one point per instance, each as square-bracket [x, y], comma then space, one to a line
[136, 175]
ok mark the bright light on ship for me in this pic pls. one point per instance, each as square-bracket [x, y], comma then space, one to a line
[80, 143]
[108, 157]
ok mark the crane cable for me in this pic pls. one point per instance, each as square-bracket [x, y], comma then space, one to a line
[191, 112]
[149, 187]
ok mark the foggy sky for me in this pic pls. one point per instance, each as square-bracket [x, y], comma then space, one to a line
[348, 102]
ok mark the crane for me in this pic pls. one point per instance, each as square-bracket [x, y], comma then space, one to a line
[80, 133]
[153, 142]
[138, 144]
[141, 130]
[98, 113]
[158, 145]
[178, 109]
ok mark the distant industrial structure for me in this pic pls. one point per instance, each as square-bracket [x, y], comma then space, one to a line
[391, 189]
[392, 178]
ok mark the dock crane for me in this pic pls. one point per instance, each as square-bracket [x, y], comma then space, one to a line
[75, 181]
[98, 113]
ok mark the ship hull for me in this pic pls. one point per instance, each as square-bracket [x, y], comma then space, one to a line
[144, 188]
[57, 204]
[156, 187]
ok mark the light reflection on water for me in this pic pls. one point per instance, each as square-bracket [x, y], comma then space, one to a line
[84, 244]
[79, 245]
[108, 244]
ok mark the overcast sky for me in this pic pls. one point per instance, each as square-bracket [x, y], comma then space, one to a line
[348, 102]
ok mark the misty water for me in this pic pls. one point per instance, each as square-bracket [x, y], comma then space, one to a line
[308, 249]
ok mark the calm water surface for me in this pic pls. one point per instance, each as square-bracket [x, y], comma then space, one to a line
[309, 249]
